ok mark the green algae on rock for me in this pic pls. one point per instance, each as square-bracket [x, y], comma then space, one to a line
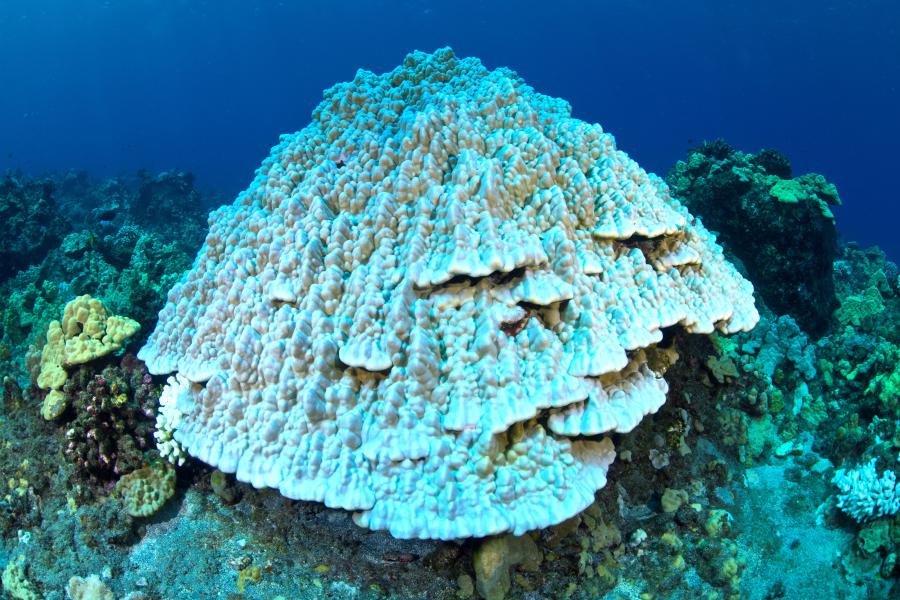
[779, 228]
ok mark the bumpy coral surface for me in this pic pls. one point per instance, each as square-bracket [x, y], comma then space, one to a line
[143, 492]
[425, 294]
[114, 412]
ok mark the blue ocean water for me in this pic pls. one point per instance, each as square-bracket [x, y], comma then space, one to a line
[207, 86]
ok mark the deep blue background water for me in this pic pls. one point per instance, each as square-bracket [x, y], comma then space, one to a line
[207, 86]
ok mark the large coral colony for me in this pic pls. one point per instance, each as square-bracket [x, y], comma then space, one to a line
[479, 259]
[445, 306]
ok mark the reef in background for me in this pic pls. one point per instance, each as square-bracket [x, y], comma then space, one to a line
[123, 241]
[779, 226]
[725, 493]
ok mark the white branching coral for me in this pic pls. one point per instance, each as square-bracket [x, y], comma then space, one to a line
[864, 495]
[433, 301]
[169, 416]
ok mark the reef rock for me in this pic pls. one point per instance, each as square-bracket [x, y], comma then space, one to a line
[781, 228]
[32, 224]
[426, 294]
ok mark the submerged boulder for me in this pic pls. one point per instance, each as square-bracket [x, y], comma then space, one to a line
[780, 227]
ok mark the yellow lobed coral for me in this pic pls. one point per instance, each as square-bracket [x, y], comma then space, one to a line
[87, 332]
[53, 376]
[91, 332]
[143, 492]
[54, 405]
[857, 307]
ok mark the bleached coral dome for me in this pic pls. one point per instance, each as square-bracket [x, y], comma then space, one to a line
[433, 301]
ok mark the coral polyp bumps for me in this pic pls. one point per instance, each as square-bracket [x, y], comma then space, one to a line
[433, 302]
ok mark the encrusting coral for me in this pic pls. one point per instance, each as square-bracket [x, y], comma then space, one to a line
[88, 588]
[426, 294]
[15, 582]
[143, 492]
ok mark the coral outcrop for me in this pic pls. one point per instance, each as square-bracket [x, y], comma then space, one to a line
[781, 228]
[755, 429]
[426, 294]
